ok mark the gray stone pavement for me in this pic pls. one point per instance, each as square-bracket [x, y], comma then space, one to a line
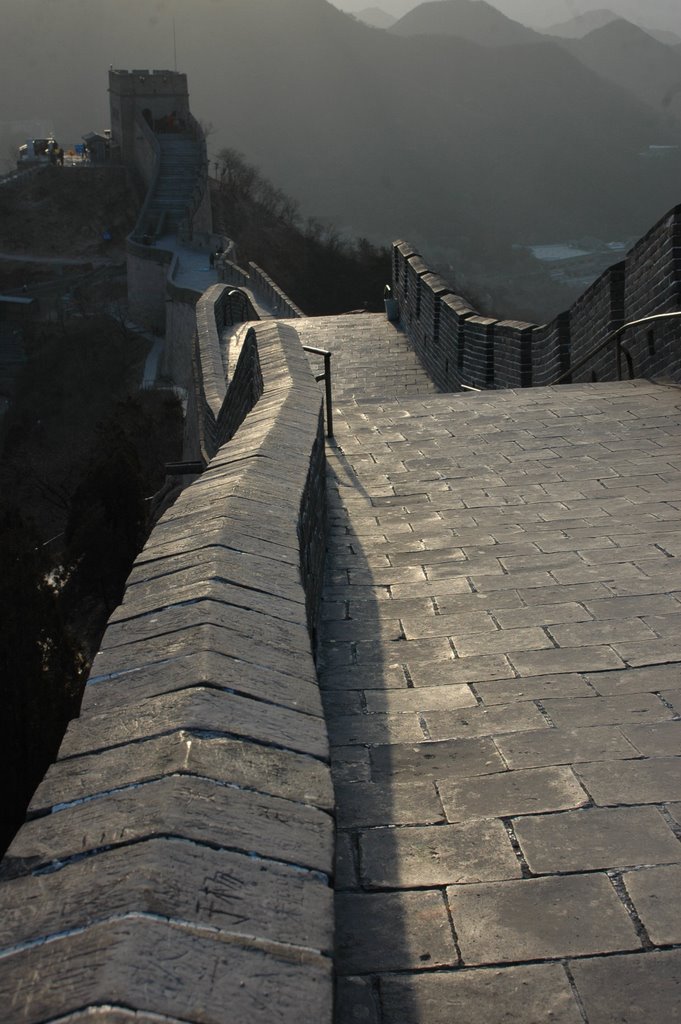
[501, 670]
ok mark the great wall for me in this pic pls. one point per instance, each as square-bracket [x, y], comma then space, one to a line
[491, 761]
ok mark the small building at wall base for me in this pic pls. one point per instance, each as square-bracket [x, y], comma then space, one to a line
[98, 146]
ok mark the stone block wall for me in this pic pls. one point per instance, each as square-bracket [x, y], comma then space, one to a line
[654, 285]
[513, 341]
[598, 312]
[146, 152]
[459, 347]
[653, 269]
[478, 354]
[551, 350]
[424, 310]
[148, 269]
[180, 328]
[270, 292]
[158, 92]
[312, 533]
[216, 409]
[261, 286]
[177, 857]
[230, 273]
[449, 346]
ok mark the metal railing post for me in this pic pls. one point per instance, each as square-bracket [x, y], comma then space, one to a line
[327, 385]
[326, 377]
[618, 348]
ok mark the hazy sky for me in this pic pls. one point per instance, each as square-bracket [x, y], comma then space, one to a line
[542, 13]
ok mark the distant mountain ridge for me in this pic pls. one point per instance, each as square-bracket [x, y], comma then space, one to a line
[669, 38]
[451, 144]
[583, 24]
[580, 25]
[631, 59]
[376, 17]
[475, 20]
[664, 16]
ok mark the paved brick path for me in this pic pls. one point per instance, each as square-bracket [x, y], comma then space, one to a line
[501, 671]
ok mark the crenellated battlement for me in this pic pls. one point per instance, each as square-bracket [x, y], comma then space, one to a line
[459, 347]
[156, 96]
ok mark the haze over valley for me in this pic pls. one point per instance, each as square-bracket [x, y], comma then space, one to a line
[473, 135]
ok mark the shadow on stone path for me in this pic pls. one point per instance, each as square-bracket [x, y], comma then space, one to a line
[500, 669]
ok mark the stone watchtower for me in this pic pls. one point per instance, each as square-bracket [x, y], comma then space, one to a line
[155, 135]
[160, 97]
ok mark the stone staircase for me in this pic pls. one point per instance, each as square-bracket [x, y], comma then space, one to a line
[372, 357]
[180, 159]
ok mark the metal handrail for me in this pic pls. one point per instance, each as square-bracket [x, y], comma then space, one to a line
[326, 377]
[616, 336]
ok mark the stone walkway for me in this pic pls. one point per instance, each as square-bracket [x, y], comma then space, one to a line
[193, 267]
[501, 672]
[372, 358]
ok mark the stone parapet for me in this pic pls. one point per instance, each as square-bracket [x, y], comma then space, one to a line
[177, 856]
[180, 330]
[148, 269]
[458, 349]
[218, 408]
[265, 293]
[454, 312]
[551, 350]
[513, 341]
[271, 294]
[478, 355]
[653, 269]
[595, 315]
[653, 285]
[231, 273]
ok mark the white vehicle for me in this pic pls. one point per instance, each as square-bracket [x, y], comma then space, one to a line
[37, 151]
